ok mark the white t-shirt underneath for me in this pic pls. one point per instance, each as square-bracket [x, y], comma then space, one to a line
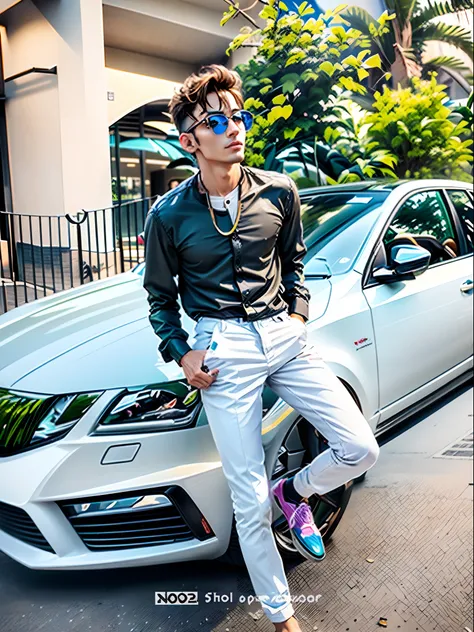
[228, 203]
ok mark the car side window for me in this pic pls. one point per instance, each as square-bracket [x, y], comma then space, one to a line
[462, 202]
[424, 220]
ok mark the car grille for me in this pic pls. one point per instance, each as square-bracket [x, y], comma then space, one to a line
[125, 528]
[17, 523]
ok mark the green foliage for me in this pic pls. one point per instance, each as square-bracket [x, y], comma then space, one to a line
[305, 164]
[466, 113]
[298, 64]
[303, 80]
[409, 28]
[413, 125]
[114, 189]
[348, 134]
[229, 14]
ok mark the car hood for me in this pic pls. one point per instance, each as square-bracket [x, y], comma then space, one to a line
[94, 337]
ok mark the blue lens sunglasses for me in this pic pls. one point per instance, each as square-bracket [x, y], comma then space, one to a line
[219, 122]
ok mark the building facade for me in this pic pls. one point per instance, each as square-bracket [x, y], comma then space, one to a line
[81, 76]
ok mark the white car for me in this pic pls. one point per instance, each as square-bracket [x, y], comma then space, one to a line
[106, 457]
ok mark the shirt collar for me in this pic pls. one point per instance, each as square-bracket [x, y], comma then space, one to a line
[232, 195]
[245, 183]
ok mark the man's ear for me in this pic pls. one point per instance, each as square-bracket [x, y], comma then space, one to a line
[187, 142]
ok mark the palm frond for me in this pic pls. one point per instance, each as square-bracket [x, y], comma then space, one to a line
[453, 34]
[437, 8]
[403, 8]
[365, 101]
[361, 20]
[410, 53]
[445, 61]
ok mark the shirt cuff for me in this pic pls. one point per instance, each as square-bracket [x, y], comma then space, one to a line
[299, 306]
[178, 348]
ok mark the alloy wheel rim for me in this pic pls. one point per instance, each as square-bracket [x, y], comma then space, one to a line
[300, 446]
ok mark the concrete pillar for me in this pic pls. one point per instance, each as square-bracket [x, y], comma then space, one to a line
[66, 145]
[57, 124]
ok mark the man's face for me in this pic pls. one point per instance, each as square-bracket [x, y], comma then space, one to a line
[225, 148]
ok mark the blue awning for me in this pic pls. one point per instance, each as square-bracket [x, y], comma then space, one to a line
[162, 147]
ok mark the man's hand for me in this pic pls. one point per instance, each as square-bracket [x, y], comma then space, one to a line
[299, 317]
[191, 363]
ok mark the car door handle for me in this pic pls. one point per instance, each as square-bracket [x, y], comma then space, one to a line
[467, 286]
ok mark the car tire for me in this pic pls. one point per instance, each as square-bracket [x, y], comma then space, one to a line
[360, 478]
[336, 502]
[233, 556]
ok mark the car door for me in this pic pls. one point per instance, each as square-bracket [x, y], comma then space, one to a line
[422, 326]
[461, 201]
[462, 206]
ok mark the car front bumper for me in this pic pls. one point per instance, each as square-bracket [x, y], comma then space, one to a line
[78, 468]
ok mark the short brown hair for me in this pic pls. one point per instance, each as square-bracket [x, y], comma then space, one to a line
[194, 91]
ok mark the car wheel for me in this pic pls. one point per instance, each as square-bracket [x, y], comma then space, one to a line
[360, 478]
[300, 446]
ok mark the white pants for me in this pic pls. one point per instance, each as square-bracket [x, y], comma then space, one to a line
[274, 351]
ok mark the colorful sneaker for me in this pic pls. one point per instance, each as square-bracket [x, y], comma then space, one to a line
[304, 532]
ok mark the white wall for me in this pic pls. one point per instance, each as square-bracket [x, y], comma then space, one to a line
[57, 125]
[6, 4]
[136, 80]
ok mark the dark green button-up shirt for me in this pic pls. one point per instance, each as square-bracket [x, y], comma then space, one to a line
[254, 273]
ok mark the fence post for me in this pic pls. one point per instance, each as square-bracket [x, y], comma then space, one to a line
[78, 223]
[12, 280]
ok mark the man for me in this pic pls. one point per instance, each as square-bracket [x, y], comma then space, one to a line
[232, 236]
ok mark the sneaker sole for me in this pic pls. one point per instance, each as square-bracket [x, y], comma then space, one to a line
[298, 546]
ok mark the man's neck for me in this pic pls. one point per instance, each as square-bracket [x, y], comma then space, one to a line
[222, 179]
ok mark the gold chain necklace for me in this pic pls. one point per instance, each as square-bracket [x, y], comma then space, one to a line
[211, 211]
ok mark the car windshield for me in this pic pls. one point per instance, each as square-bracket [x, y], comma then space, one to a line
[336, 225]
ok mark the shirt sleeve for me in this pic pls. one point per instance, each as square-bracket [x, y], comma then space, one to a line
[292, 250]
[161, 266]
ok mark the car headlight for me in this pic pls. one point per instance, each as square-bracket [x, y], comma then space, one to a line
[150, 409]
[28, 421]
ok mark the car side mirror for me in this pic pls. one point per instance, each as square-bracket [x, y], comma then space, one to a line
[405, 262]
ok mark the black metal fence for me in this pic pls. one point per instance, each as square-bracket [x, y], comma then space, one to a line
[43, 254]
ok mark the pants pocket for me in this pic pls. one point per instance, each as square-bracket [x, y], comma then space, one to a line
[204, 333]
[298, 325]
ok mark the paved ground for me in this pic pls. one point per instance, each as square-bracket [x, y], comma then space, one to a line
[412, 516]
